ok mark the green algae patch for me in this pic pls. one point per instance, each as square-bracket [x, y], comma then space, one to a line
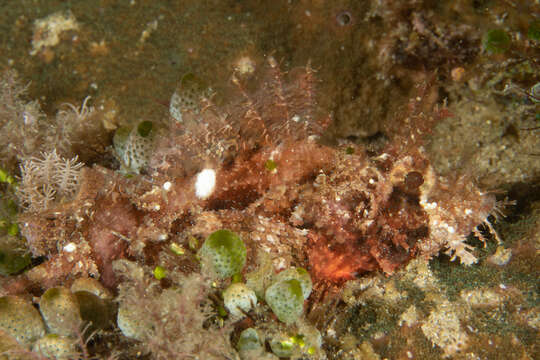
[496, 41]
[13, 262]
[534, 30]
[224, 252]
[286, 300]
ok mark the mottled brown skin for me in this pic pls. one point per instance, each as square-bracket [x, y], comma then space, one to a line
[114, 217]
[335, 212]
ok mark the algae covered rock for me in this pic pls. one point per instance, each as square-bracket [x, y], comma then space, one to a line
[305, 344]
[282, 346]
[95, 310]
[239, 299]
[92, 286]
[10, 349]
[55, 347]
[260, 278]
[286, 300]
[14, 255]
[287, 293]
[131, 324]
[13, 261]
[299, 274]
[187, 97]
[133, 146]
[223, 252]
[60, 310]
[95, 303]
[249, 340]
[250, 346]
[20, 320]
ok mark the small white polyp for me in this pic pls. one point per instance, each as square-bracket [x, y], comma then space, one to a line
[70, 247]
[205, 183]
[167, 185]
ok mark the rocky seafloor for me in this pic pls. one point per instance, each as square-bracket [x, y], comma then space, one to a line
[423, 100]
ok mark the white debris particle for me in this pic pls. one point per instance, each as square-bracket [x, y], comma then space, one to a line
[409, 317]
[205, 183]
[482, 297]
[150, 28]
[271, 238]
[244, 66]
[501, 257]
[70, 247]
[167, 186]
[430, 206]
[280, 264]
[47, 30]
[443, 329]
